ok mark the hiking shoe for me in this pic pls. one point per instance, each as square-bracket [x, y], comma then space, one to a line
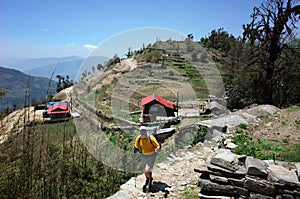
[146, 185]
[150, 184]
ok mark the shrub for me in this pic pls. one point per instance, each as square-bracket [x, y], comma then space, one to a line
[200, 134]
[243, 126]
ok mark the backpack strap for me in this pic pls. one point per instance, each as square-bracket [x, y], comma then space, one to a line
[149, 138]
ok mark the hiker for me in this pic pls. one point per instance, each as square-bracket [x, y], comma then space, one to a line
[150, 147]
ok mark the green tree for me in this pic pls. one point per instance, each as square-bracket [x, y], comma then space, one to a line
[100, 67]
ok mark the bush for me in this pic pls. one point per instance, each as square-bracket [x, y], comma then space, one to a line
[200, 134]
[243, 126]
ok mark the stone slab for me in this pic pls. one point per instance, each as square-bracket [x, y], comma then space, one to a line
[256, 167]
[225, 159]
[279, 173]
[239, 173]
[120, 195]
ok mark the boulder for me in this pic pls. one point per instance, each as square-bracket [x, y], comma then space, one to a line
[225, 159]
[256, 167]
[281, 174]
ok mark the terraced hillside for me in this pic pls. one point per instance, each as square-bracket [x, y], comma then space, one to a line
[182, 72]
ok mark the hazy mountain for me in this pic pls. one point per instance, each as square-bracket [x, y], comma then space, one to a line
[44, 67]
[16, 83]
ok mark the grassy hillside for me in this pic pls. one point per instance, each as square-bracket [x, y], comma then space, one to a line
[274, 136]
[15, 82]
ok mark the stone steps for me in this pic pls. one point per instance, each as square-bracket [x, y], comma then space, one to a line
[230, 175]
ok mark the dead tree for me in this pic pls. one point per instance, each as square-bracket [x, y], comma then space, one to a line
[272, 26]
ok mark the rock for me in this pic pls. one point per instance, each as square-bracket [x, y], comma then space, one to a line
[287, 196]
[226, 141]
[298, 170]
[130, 188]
[256, 167]
[211, 188]
[183, 184]
[281, 174]
[212, 197]
[231, 145]
[205, 151]
[162, 166]
[216, 133]
[236, 182]
[225, 159]
[260, 186]
[239, 173]
[218, 179]
[259, 196]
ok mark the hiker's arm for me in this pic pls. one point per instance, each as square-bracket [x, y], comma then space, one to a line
[155, 143]
[136, 145]
[157, 148]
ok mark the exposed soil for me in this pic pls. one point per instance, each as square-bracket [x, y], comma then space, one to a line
[281, 127]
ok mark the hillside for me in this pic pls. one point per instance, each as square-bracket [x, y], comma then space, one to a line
[83, 157]
[16, 83]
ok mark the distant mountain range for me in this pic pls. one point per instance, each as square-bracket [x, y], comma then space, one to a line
[15, 76]
[16, 83]
[44, 67]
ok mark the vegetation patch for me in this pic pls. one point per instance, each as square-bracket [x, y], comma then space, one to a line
[50, 161]
[265, 149]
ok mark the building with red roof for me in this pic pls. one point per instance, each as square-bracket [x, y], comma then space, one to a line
[57, 110]
[154, 105]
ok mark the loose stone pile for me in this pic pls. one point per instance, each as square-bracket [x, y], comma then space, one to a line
[228, 175]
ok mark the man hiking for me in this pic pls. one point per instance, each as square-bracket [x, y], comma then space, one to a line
[150, 147]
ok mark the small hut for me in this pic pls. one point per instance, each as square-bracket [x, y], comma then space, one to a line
[154, 105]
[57, 110]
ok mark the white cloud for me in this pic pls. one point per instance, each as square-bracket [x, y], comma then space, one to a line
[91, 47]
[45, 29]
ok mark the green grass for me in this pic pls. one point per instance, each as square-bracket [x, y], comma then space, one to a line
[263, 149]
[135, 117]
[190, 195]
[293, 108]
[192, 75]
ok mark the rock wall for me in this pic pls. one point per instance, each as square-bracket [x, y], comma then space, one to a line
[228, 175]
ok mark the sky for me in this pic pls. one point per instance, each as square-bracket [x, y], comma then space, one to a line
[58, 28]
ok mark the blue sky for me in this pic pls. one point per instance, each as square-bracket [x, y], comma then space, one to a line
[52, 28]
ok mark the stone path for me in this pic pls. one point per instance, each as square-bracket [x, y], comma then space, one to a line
[173, 176]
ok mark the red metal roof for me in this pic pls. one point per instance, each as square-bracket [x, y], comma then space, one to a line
[155, 97]
[58, 109]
